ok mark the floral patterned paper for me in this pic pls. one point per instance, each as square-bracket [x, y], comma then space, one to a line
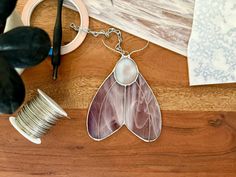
[212, 45]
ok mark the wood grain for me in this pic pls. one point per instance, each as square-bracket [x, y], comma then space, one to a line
[199, 123]
[164, 22]
[192, 144]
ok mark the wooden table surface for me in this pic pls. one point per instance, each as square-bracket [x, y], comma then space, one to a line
[199, 123]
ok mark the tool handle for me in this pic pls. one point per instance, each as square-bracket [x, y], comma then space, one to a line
[57, 38]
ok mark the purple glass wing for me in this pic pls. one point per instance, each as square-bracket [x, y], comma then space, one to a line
[143, 116]
[106, 113]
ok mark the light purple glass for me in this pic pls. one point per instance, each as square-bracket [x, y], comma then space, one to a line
[133, 105]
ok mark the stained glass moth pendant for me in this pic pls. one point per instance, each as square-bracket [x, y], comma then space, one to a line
[124, 98]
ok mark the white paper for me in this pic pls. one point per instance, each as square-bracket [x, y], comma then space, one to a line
[212, 45]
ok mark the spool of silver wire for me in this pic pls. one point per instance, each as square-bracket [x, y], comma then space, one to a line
[37, 116]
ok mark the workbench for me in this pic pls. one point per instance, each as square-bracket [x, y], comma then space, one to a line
[198, 138]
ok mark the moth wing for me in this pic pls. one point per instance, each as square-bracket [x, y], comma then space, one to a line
[143, 115]
[106, 113]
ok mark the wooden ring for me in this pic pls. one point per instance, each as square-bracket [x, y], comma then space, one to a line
[81, 8]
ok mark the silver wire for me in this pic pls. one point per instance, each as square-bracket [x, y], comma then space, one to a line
[139, 50]
[37, 117]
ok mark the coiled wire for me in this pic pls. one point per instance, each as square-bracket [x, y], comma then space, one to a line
[38, 115]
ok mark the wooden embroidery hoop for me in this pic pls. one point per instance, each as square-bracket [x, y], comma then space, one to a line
[81, 8]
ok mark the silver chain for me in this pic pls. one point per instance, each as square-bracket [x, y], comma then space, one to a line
[107, 34]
